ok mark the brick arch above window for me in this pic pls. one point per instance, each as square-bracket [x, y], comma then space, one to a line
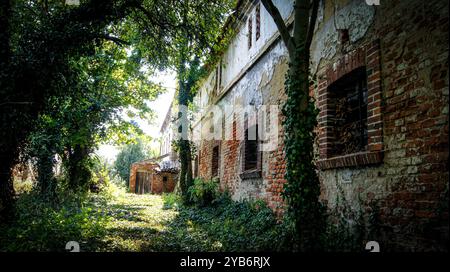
[366, 59]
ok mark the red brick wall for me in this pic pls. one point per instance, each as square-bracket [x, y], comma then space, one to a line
[159, 186]
[415, 94]
[139, 166]
[274, 174]
[409, 42]
[404, 174]
[367, 56]
[230, 158]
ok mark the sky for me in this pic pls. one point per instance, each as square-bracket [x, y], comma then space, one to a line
[160, 106]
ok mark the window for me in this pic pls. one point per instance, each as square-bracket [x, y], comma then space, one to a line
[350, 122]
[215, 162]
[219, 86]
[251, 149]
[250, 32]
[349, 94]
[216, 82]
[164, 179]
[218, 79]
[258, 21]
[196, 162]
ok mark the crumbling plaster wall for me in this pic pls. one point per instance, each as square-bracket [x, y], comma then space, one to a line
[407, 192]
[356, 16]
[263, 84]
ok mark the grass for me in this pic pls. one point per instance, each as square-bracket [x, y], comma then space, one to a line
[119, 221]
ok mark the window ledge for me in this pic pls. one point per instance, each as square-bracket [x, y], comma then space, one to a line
[249, 174]
[351, 160]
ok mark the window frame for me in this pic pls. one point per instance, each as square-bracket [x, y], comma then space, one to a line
[368, 55]
[215, 171]
[254, 172]
[356, 82]
[250, 31]
[258, 21]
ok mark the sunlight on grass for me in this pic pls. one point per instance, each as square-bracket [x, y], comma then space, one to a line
[135, 220]
[118, 221]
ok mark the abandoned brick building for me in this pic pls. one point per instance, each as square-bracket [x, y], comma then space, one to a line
[157, 175]
[380, 78]
[147, 177]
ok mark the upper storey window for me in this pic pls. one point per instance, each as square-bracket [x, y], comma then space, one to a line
[258, 21]
[250, 31]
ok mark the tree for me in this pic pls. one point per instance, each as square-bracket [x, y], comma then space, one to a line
[37, 42]
[302, 189]
[129, 154]
[41, 42]
[194, 39]
[186, 80]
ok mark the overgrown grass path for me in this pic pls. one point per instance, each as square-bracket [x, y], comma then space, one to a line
[137, 223]
[121, 221]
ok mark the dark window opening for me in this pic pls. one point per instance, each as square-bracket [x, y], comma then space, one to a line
[250, 32]
[196, 166]
[251, 148]
[219, 74]
[215, 162]
[164, 179]
[216, 82]
[349, 94]
[258, 21]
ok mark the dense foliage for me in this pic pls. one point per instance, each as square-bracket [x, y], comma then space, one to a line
[203, 192]
[39, 226]
[116, 221]
[40, 39]
[128, 155]
[69, 73]
[193, 54]
[226, 225]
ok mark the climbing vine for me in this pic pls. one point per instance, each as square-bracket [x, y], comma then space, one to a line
[302, 190]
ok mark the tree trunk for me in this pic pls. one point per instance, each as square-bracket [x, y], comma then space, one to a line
[5, 14]
[6, 157]
[46, 179]
[78, 169]
[6, 185]
[302, 189]
[185, 178]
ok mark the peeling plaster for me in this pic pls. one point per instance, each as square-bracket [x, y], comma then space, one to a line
[357, 17]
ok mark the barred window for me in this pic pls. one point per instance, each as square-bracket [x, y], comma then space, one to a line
[250, 32]
[251, 149]
[258, 21]
[215, 162]
[349, 94]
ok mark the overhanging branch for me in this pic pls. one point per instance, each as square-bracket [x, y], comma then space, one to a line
[279, 22]
[312, 23]
[116, 40]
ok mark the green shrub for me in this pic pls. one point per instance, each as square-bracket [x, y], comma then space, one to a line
[203, 192]
[43, 226]
[171, 200]
[226, 225]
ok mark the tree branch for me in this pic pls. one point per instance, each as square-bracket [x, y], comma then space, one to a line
[116, 40]
[312, 23]
[16, 103]
[279, 22]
